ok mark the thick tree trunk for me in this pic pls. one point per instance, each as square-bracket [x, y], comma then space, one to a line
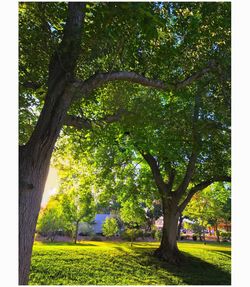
[34, 160]
[34, 157]
[168, 249]
[32, 180]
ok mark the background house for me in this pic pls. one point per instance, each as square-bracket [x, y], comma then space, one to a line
[93, 228]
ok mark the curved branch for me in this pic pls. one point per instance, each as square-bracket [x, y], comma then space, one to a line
[86, 87]
[195, 150]
[152, 162]
[199, 187]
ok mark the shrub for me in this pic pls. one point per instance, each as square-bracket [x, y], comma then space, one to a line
[147, 234]
[85, 229]
[139, 233]
[195, 237]
[130, 234]
[110, 227]
[183, 236]
[125, 235]
[225, 235]
[51, 220]
[96, 238]
[158, 235]
[153, 230]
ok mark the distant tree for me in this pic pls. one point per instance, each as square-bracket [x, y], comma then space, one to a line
[78, 205]
[209, 207]
[153, 214]
[133, 215]
[76, 191]
[110, 227]
[51, 219]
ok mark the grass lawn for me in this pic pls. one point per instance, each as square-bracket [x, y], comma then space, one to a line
[115, 263]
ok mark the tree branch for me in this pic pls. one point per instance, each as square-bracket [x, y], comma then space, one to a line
[196, 141]
[99, 79]
[77, 122]
[155, 170]
[171, 172]
[188, 175]
[84, 123]
[30, 85]
[199, 187]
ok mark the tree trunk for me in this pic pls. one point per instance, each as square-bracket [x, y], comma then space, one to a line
[76, 232]
[34, 160]
[34, 157]
[217, 233]
[32, 176]
[168, 249]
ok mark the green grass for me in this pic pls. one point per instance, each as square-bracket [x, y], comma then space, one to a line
[113, 263]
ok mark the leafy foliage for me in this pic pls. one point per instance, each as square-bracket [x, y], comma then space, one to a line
[51, 219]
[210, 206]
[110, 227]
[132, 214]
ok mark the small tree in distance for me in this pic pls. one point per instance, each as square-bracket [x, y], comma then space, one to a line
[110, 227]
[78, 205]
[210, 207]
[133, 215]
[51, 219]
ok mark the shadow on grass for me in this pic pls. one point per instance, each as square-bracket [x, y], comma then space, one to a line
[192, 270]
[224, 252]
[120, 249]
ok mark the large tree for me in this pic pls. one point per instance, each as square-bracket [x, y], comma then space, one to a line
[67, 51]
[184, 146]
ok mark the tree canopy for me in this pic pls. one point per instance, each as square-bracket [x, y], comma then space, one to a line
[211, 206]
[164, 41]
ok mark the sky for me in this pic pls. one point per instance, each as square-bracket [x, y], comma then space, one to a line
[51, 185]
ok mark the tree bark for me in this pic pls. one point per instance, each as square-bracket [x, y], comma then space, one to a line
[168, 249]
[34, 157]
[31, 185]
[34, 160]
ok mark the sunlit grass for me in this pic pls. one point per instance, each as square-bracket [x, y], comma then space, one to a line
[113, 263]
